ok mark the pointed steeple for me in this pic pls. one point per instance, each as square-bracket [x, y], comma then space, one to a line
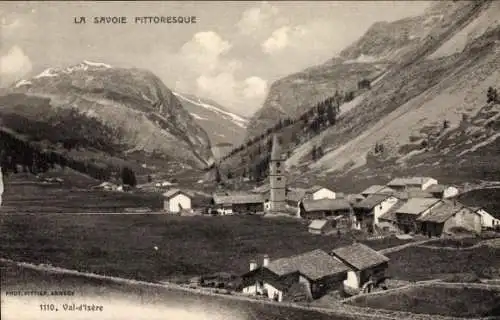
[276, 149]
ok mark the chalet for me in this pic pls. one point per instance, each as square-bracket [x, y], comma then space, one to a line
[320, 192]
[238, 203]
[442, 192]
[321, 226]
[325, 208]
[176, 201]
[442, 218]
[372, 190]
[388, 220]
[368, 211]
[367, 267]
[308, 276]
[488, 221]
[413, 183]
[407, 214]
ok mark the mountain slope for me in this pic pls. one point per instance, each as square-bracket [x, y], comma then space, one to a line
[386, 46]
[135, 112]
[429, 114]
[221, 125]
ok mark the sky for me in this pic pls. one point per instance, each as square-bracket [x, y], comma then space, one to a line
[232, 54]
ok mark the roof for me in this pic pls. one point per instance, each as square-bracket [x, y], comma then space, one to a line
[360, 256]
[408, 181]
[238, 198]
[276, 149]
[417, 205]
[354, 198]
[172, 192]
[326, 205]
[386, 190]
[371, 201]
[391, 213]
[314, 264]
[372, 189]
[262, 189]
[436, 188]
[318, 224]
[442, 212]
[316, 188]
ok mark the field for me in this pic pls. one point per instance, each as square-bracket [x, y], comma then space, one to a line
[122, 245]
[25, 194]
[421, 263]
[437, 299]
[122, 301]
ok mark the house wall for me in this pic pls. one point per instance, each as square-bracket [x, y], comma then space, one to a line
[382, 208]
[353, 279]
[374, 273]
[315, 231]
[248, 207]
[172, 204]
[326, 284]
[324, 193]
[487, 220]
[429, 183]
[466, 219]
[450, 192]
[261, 280]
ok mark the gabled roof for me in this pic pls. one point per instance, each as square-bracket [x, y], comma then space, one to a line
[437, 188]
[326, 205]
[314, 264]
[417, 205]
[372, 201]
[443, 212]
[318, 224]
[372, 189]
[391, 213]
[359, 256]
[238, 198]
[172, 192]
[413, 181]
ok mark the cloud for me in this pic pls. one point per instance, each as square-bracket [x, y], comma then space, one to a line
[209, 70]
[204, 50]
[14, 64]
[257, 19]
[313, 36]
[255, 88]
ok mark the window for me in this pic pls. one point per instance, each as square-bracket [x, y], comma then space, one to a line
[279, 179]
[278, 164]
[278, 171]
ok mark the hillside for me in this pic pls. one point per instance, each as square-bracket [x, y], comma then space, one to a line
[224, 128]
[426, 110]
[99, 113]
[385, 46]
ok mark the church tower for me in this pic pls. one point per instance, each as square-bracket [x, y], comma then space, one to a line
[277, 179]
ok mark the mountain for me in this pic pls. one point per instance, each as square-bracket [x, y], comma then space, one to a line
[93, 110]
[385, 46]
[426, 113]
[224, 128]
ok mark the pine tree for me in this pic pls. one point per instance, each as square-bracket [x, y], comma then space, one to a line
[314, 153]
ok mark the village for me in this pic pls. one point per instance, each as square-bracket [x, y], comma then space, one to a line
[416, 208]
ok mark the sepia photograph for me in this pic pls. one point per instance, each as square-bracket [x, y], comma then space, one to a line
[250, 160]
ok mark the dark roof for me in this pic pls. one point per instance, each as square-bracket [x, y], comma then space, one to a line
[371, 201]
[172, 192]
[417, 205]
[372, 189]
[314, 264]
[391, 213]
[443, 212]
[326, 205]
[436, 188]
[412, 181]
[238, 198]
[276, 149]
[359, 256]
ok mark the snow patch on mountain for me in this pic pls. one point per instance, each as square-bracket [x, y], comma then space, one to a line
[362, 59]
[22, 83]
[239, 121]
[197, 116]
[47, 73]
[83, 66]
